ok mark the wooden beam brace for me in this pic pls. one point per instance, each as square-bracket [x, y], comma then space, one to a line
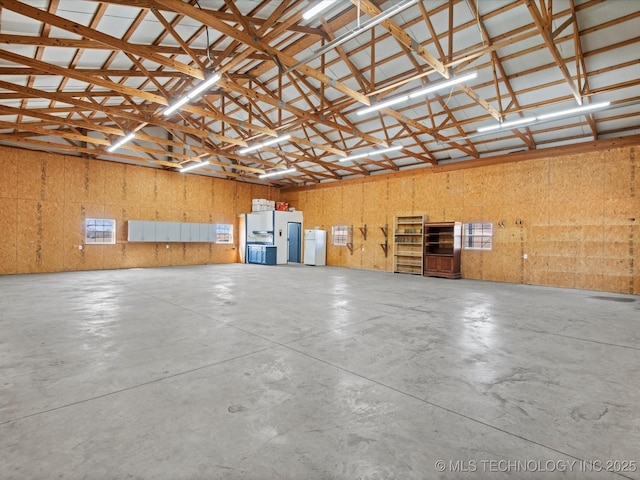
[565, 24]
[223, 16]
[87, 32]
[403, 37]
[86, 44]
[92, 72]
[545, 33]
[480, 101]
[169, 28]
[319, 146]
[204, 17]
[64, 72]
[422, 129]
[230, 86]
[117, 111]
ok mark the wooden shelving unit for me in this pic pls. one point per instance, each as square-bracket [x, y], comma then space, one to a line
[407, 243]
[442, 245]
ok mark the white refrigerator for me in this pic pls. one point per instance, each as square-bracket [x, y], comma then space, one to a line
[315, 247]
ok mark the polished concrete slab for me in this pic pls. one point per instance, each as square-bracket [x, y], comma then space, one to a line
[298, 372]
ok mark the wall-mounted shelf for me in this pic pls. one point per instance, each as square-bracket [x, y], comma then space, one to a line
[363, 231]
[385, 245]
[350, 239]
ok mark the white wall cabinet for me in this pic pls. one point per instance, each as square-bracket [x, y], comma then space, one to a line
[150, 231]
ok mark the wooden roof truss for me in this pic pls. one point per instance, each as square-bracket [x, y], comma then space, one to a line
[78, 75]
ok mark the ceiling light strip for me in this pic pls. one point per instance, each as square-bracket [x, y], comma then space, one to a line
[194, 166]
[193, 93]
[573, 111]
[546, 116]
[503, 125]
[417, 93]
[277, 172]
[371, 153]
[266, 143]
[317, 8]
[354, 33]
[121, 142]
[445, 84]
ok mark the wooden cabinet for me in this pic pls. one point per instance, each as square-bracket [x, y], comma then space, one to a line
[407, 243]
[442, 245]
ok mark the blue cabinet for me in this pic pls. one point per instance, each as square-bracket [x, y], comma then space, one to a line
[262, 254]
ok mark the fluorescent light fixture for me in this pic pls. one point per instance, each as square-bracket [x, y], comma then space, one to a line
[354, 33]
[203, 86]
[193, 93]
[503, 125]
[175, 106]
[417, 93]
[385, 150]
[573, 111]
[445, 84]
[319, 7]
[266, 143]
[121, 142]
[385, 104]
[276, 140]
[371, 153]
[277, 172]
[546, 116]
[194, 166]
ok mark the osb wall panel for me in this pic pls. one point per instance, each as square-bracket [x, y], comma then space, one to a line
[45, 199]
[575, 217]
[9, 175]
[39, 236]
[9, 243]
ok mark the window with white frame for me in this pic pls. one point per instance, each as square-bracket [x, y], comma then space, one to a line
[224, 233]
[477, 236]
[100, 231]
[340, 235]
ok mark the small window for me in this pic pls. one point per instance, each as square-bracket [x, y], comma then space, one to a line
[477, 236]
[224, 233]
[340, 235]
[100, 231]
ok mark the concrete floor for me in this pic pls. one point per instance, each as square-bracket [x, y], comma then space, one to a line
[297, 372]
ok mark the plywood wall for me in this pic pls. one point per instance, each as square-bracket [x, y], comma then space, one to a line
[44, 199]
[576, 217]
